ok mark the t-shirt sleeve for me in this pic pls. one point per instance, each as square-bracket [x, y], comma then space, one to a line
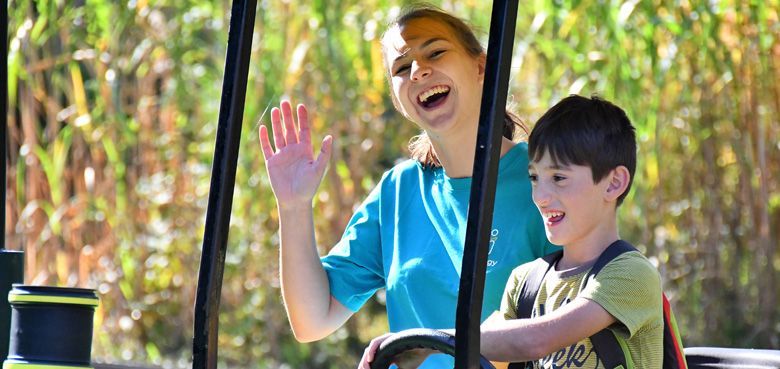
[354, 265]
[629, 288]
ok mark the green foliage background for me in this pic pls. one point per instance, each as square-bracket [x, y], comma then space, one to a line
[112, 119]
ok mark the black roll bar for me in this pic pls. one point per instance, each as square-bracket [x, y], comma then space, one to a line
[483, 185]
[223, 178]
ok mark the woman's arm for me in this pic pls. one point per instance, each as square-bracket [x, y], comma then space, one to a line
[295, 175]
[313, 312]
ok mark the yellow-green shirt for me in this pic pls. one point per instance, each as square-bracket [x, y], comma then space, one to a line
[628, 287]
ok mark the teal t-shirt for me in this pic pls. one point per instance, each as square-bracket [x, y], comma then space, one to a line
[408, 236]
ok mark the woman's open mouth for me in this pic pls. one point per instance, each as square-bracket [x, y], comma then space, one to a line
[433, 97]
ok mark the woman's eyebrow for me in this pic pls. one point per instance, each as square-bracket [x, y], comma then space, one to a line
[432, 40]
[402, 55]
[425, 44]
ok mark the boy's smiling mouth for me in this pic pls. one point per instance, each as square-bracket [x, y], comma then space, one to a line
[553, 217]
[433, 96]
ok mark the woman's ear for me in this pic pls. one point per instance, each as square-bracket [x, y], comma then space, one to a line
[481, 62]
[618, 183]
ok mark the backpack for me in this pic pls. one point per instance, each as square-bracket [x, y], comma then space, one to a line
[610, 349]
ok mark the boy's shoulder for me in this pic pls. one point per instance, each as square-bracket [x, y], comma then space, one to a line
[632, 262]
[628, 274]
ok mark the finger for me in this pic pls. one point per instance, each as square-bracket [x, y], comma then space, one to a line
[290, 133]
[303, 121]
[326, 151]
[265, 144]
[366, 359]
[373, 346]
[370, 350]
[276, 125]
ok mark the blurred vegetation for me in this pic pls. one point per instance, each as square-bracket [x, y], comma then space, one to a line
[112, 118]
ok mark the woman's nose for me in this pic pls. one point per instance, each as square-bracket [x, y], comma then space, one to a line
[419, 71]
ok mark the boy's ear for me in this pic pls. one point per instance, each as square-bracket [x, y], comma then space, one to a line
[618, 183]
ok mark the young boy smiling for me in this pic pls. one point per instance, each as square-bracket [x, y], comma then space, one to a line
[582, 160]
[582, 157]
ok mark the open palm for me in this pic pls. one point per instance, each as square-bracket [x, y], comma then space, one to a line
[293, 171]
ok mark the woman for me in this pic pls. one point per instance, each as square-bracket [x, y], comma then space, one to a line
[408, 234]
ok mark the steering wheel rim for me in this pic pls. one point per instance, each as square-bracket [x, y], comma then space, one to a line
[417, 338]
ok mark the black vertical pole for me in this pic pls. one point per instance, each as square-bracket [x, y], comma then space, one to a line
[11, 262]
[223, 177]
[483, 185]
[4, 108]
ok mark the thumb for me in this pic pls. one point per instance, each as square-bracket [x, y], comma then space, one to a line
[326, 151]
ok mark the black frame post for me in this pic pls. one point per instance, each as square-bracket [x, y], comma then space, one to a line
[4, 109]
[483, 185]
[223, 177]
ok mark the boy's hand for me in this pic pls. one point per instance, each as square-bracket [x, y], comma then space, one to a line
[410, 359]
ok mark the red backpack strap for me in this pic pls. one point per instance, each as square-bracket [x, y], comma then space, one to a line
[674, 357]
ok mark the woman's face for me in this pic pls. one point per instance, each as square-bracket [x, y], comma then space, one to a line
[435, 82]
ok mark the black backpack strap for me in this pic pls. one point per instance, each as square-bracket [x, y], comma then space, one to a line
[604, 342]
[529, 290]
[533, 282]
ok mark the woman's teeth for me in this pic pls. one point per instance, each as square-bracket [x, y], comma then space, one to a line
[423, 97]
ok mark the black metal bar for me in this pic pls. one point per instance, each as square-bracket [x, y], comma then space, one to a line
[223, 177]
[3, 108]
[483, 185]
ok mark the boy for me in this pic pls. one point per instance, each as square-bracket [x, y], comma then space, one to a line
[582, 160]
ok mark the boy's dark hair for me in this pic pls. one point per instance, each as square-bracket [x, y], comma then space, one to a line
[589, 132]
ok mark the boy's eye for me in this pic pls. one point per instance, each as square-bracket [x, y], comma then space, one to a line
[558, 178]
[532, 177]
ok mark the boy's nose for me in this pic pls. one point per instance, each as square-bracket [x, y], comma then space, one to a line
[419, 71]
[540, 196]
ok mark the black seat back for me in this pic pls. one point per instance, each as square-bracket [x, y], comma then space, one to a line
[731, 358]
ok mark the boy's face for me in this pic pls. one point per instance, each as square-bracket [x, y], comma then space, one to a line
[574, 208]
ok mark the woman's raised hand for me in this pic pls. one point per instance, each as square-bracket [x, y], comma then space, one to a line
[294, 172]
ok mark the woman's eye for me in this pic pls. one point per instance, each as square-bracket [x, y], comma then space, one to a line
[437, 53]
[401, 69]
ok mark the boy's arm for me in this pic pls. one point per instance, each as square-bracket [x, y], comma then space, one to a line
[530, 339]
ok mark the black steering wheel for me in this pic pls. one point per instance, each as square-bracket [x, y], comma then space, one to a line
[418, 338]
